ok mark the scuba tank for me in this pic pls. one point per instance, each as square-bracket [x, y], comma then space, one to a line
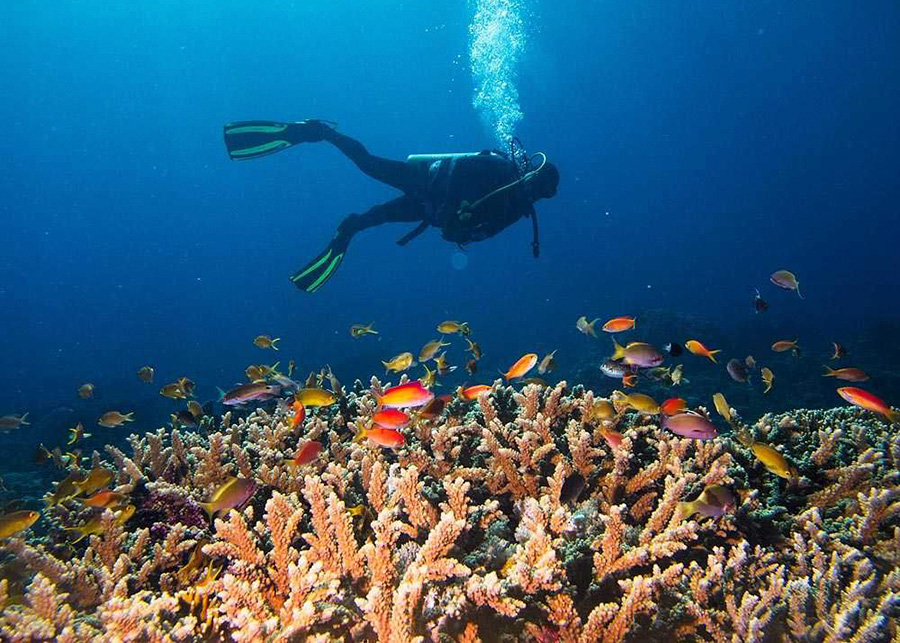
[425, 161]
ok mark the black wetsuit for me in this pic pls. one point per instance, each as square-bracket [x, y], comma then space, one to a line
[433, 196]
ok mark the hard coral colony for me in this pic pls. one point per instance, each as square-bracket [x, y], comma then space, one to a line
[462, 535]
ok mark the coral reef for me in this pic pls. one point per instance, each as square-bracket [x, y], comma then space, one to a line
[462, 534]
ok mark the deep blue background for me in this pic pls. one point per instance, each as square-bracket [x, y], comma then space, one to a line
[702, 146]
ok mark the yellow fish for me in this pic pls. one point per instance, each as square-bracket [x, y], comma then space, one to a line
[77, 433]
[585, 326]
[13, 523]
[643, 404]
[429, 379]
[309, 397]
[722, 407]
[264, 341]
[66, 488]
[601, 410]
[449, 327]
[194, 408]
[440, 363]
[768, 377]
[232, 494]
[96, 479]
[95, 524]
[173, 391]
[431, 349]
[399, 363]
[773, 460]
[474, 348]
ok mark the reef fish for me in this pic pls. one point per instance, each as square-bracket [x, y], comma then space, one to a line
[86, 391]
[361, 330]
[643, 404]
[865, 400]
[839, 350]
[399, 363]
[637, 354]
[759, 304]
[230, 495]
[586, 327]
[312, 397]
[13, 523]
[786, 345]
[673, 406]
[613, 438]
[306, 454]
[521, 366]
[614, 369]
[434, 408]
[391, 418]
[713, 501]
[737, 370]
[547, 363]
[722, 407]
[697, 348]
[254, 391]
[96, 479]
[470, 393]
[390, 438]
[299, 414]
[773, 460]
[77, 433]
[403, 396]
[449, 327]
[787, 280]
[431, 349]
[265, 342]
[112, 419]
[173, 391]
[66, 488]
[9, 422]
[106, 499]
[768, 377]
[847, 374]
[474, 348]
[690, 425]
[571, 488]
[145, 374]
[619, 324]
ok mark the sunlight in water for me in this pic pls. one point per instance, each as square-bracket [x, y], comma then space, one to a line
[498, 40]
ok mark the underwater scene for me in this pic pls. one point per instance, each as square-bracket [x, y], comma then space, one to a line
[475, 320]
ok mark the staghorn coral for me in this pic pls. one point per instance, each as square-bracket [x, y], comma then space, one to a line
[462, 534]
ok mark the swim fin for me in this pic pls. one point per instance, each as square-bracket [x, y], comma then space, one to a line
[314, 274]
[253, 139]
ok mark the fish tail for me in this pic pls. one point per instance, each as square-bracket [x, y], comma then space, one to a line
[274, 347]
[619, 350]
[798, 291]
[590, 328]
[829, 372]
[221, 394]
[685, 510]
[209, 509]
[128, 417]
[712, 355]
[22, 420]
[387, 366]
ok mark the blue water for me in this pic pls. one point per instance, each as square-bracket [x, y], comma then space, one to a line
[701, 145]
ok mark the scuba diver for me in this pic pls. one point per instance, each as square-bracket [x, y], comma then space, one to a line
[470, 196]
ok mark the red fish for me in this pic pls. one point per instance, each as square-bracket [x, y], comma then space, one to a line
[391, 419]
[409, 395]
[619, 324]
[865, 400]
[299, 414]
[390, 438]
[847, 374]
[613, 438]
[522, 366]
[471, 393]
[690, 425]
[307, 453]
[673, 405]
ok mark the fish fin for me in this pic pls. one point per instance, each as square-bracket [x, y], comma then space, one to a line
[685, 510]
[829, 372]
[274, 347]
[590, 327]
[798, 291]
[209, 509]
[619, 350]
[22, 420]
[712, 355]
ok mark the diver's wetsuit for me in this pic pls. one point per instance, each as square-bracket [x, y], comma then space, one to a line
[433, 197]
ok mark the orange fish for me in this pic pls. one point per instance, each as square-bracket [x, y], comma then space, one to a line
[390, 438]
[613, 438]
[786, 345]
[699, 349]
[106, 499]
[471, 393]
[522, 366]
[403, 396]
[619, 324]
[391, 419]
[629, 379]
[307, 453]
[673, 405]
[847, 374]
[299, 414]
[865, 400]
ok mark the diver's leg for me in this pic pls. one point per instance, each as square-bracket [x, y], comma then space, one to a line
[397, 174]
[313, 275]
